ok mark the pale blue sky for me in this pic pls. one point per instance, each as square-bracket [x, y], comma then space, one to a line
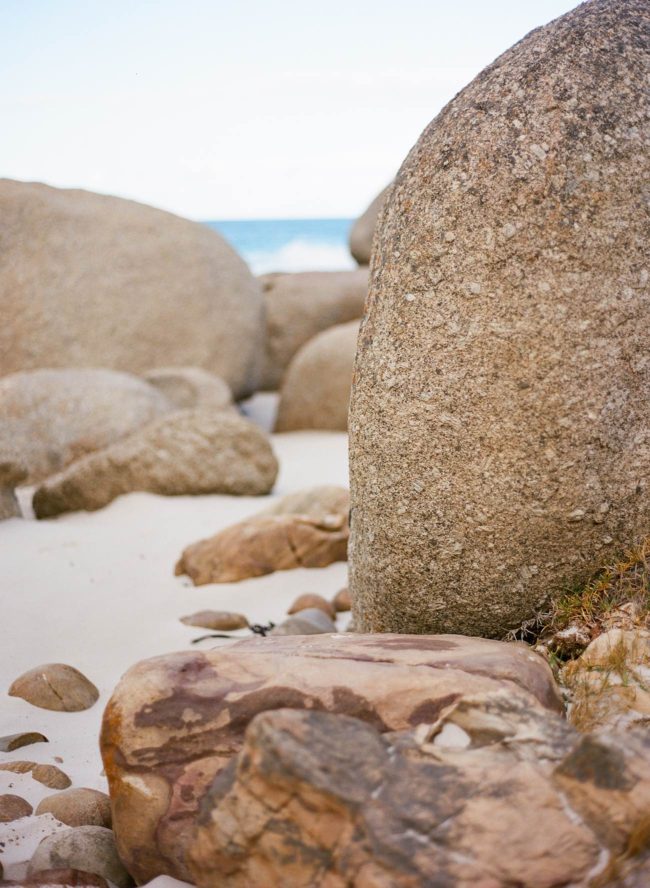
[234, 109]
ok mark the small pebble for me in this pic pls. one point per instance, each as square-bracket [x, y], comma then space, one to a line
[13, 807]
[310, 600]
[55, 686]
[14, 741]
[342, 601]
[78, 807]
[225, 621]
[48, 775]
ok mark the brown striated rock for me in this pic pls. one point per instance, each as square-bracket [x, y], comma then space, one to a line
[174, 721]
[443, 805]
[48, 775]
[49, 418]
[363, 230]
[263, 544]
[316, 388]
[55, 686]
[311, 600]
[187, 452]
[13, 807]
[87, 848]
[342, 601]
[78, 807]
[327, 499]
[11, 742]
[499, 422]
[299, 306]
[189, 388]
[225, 621]
[87, 274]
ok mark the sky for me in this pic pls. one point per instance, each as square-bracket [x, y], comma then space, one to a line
[240, 109]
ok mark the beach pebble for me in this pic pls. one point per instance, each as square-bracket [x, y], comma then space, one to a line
[14, 741]
[78, 807]
[225, 621]
[310, 600]
[48, 775]
[311, 621]
[342, 600]
[88, 848]
[55, 686]
[13, 807]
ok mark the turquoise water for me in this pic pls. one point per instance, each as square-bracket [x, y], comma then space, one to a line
[289, 244]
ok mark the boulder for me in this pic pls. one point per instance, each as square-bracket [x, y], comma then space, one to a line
[363, 230]
[186, 452]
[49, 418]
[11, 475]
[190, 387]
[443, 806]
[55, 686]
[78, 807]
[316, 502]
[316, 388]
[263, 544]
[86, 275]
[174, 721]
[48, 775]
[500, 419]
[13, 807]
[298, 306]
[87, 848]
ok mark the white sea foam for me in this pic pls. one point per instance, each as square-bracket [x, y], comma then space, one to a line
[301, 255]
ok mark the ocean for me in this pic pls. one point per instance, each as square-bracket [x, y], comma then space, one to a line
[289, 244]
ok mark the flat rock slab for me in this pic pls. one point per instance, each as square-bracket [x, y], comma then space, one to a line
[174, 721]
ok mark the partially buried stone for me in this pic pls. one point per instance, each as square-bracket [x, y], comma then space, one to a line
[342, 601]
[55, 686]
[310, 600]
[48, 775]
[310, 621]
[225, 621]
[13, 807]
[78, 807]
[88, 848]
[14, 741]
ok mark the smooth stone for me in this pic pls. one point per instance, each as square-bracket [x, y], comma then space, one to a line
[91, 849]
[48, 775]
[11, 742]
[225, 621]
[311, 600]
[78, 807]
[13, 807]
[55, 686]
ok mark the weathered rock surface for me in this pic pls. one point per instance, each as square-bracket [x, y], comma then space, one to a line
[311, 600]
[444, 806]
[188, 388]
[316, 502]
[299, 306]
[48, 775]
[225, 621]
[55, 686]
[263, 544]
[11, 475]
[173, 722]
[13, 807]
[88, 848]
[85, 274]
[363, 230]
[316, 388]
[186, 452]
[78, 807]
[49, 418]
[500, 415]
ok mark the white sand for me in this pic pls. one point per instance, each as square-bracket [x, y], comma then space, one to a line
[98, 591]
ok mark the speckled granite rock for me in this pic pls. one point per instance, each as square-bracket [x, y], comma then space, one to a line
[190, 387]
[86, 275]
[174, 721]
[263, 544]
[500, 418]
[363, 230]
[186, 452]
[48, 418]
[299, 306]
[451, 805]
[316, 387]
[327, 499]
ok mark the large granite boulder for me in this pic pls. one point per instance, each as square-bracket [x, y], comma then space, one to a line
[186, 452]
[174, 721]
[298, 306]
[500, 418]
[363, 230]
[49, 418]
[321, 799]
[316, 388]
[85, 278]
